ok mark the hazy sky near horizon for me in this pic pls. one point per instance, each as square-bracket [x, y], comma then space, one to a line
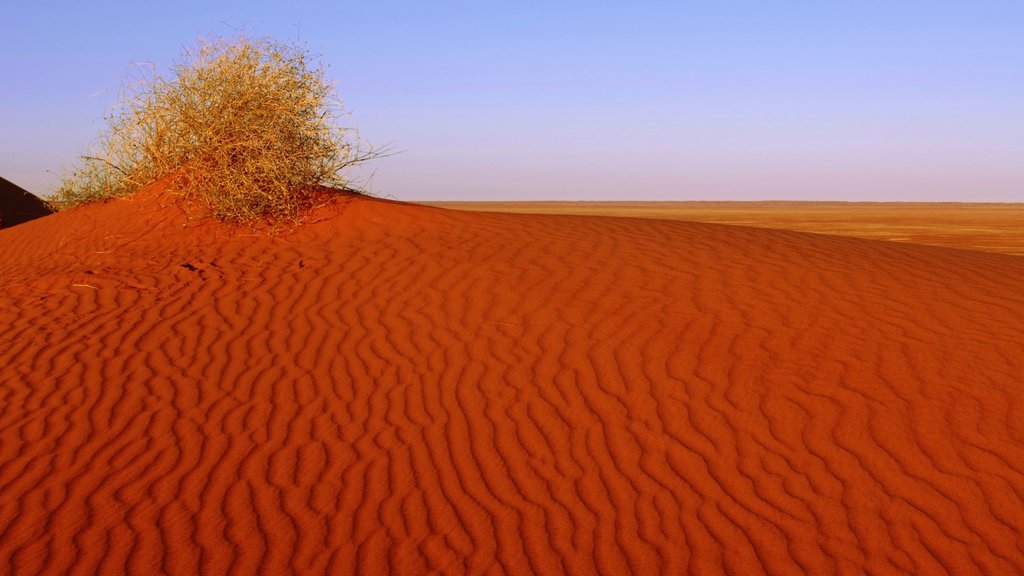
[733, 100]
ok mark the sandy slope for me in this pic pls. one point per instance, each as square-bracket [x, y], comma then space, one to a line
[18, 205]
[403, 389]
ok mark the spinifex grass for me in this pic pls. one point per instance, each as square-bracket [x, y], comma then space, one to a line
[247, 126]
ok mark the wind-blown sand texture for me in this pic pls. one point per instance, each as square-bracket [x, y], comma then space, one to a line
[17, 205]
[987, 227]
[400, 389]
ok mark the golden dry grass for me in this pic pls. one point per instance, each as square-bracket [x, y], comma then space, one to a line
[247, 127]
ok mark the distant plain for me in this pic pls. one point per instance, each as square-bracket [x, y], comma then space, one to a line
[987, 227]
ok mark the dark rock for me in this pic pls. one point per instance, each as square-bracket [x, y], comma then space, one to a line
[17, 205]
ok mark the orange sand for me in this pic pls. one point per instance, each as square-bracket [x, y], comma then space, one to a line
[408, 390]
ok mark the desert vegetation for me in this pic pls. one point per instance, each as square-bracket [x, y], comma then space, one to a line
[247, 127]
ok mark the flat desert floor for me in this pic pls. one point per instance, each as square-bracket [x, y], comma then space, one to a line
[403, 389]
[987, 227]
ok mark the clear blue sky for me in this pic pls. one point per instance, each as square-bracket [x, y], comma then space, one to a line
[850, 100]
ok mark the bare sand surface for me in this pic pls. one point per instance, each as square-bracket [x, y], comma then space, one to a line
[987, 227]
[401, 389]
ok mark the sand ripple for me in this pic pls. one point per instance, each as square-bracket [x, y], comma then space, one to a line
[408, 390]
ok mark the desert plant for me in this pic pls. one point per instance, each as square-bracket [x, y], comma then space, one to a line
[249, 127]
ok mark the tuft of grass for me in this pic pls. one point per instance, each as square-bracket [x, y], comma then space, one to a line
[248, 127]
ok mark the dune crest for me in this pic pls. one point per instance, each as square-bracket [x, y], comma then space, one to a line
[399, 389]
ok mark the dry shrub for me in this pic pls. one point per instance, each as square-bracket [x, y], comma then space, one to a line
[249, 127]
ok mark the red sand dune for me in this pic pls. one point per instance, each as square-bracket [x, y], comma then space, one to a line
[409, 390]
[18, 205]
